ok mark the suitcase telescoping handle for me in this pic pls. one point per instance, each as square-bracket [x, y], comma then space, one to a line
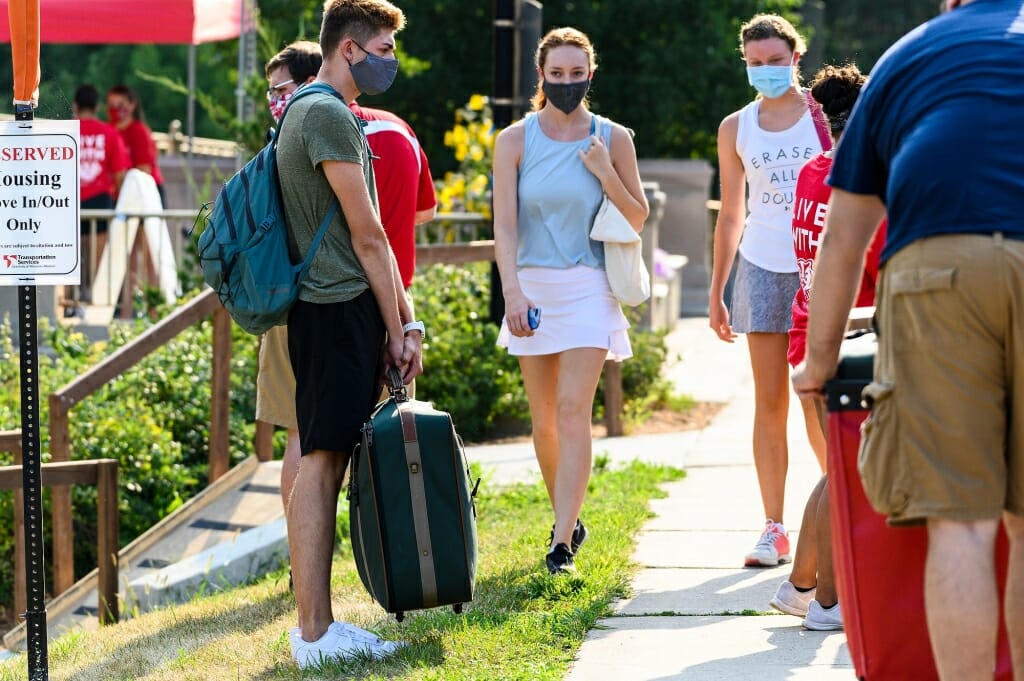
[395, 386]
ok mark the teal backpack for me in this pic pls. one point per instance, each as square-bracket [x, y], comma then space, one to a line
[243, 250]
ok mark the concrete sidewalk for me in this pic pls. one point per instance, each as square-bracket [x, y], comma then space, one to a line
[696, 613]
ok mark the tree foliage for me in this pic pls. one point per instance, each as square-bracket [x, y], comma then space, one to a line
[671, 75]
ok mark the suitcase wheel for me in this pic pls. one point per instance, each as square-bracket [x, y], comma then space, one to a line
[457, 608]
[399, 616]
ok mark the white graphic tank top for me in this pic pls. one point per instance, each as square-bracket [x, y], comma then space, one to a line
[772, 161]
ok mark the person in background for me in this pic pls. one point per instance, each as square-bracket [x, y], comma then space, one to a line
[760, 150]
[352, 316]
[405, 188]
[102, 165]
[292, 67]
[406, 198]
[810, 591]
[551, 172]
[124, 112]
[934, 145]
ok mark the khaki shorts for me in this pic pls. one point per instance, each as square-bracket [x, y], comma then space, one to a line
[275, 382]
[942, 440]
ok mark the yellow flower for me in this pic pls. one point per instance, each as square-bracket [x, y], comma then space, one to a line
[476, 152]
[478, 185]
[477, 102]
[460, 135]
[460, 152]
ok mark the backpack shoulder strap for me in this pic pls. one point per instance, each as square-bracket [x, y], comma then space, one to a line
[314, 246]
[308, 89]
[820, 125]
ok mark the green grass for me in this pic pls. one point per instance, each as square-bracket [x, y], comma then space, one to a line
[523, 624]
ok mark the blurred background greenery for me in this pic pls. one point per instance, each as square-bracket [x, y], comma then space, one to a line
[669, 69]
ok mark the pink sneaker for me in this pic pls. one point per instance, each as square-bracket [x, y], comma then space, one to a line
[771, 549]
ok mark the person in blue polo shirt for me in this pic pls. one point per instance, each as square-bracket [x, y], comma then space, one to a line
[937, 141]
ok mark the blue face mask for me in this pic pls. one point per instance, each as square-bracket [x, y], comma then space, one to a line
[771, 81]
[374, 74]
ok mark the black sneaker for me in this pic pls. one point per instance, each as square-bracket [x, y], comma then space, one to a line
[579, 535]
[559, 559]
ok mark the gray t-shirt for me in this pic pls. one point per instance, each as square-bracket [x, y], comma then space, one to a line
[318, 128]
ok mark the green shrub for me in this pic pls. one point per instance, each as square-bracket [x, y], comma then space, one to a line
[643, 385]
[154, 419]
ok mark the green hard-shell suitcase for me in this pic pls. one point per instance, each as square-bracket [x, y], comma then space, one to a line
[411, 512]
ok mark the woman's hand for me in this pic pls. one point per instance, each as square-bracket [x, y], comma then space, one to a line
[719, 321]
[517, 306]
[596, 158]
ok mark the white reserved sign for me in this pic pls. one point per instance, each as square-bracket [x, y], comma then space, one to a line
[39, 203]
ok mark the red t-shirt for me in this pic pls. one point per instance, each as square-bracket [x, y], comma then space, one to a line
[810, 208]
[101, 155]
[141, 148]
[404, 184]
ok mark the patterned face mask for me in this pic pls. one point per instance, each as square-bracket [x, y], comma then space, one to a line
[278, 104]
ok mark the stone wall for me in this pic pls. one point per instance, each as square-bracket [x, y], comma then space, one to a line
[684, 228]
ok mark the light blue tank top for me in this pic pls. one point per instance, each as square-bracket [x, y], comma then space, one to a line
[558, 199]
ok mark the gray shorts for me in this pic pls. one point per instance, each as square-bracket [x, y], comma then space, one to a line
[762, 301]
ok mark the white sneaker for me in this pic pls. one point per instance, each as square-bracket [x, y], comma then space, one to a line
[340, 641]
[771, 549]
[363, 636]
[790, 601]
[823, 619]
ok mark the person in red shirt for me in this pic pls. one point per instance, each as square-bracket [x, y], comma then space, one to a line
[103, 162]
[124, 112]
[810, 591]
[399, 165]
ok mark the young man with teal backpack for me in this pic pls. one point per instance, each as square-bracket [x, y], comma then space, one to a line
[244, 251]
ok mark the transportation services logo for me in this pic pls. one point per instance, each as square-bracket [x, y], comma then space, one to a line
[14, 261]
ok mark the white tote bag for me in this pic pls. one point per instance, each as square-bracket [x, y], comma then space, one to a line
[623, 255]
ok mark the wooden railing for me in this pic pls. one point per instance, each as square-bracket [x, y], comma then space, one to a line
[61, 402]
[99, 472]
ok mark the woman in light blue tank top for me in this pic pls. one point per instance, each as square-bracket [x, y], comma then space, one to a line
[551, 172]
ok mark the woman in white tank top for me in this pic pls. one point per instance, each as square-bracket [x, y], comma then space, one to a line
[761, 148]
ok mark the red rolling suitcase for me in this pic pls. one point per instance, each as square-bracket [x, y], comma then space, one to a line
[880, 569]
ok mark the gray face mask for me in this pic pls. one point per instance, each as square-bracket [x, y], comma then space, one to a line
[374, 74]
[566, 96]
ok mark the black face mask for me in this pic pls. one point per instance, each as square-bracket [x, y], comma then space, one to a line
[566, 96]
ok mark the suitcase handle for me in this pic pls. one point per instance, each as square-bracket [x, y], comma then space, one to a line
[395, 386]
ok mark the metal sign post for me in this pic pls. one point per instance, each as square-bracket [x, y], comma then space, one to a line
[39, 244]
[32, 487]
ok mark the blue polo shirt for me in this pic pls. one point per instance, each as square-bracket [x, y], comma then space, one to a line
[938, 132]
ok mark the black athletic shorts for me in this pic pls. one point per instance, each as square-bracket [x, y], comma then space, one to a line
[335, 351]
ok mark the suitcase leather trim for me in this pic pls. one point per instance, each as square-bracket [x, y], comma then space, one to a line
[421, 522]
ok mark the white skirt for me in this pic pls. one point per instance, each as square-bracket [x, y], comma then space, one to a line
[578, 310]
